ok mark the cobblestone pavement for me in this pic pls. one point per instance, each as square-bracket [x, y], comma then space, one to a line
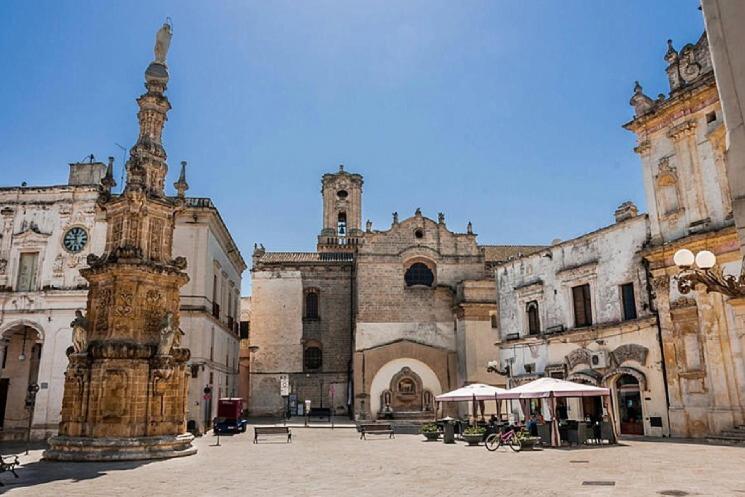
[321, 462]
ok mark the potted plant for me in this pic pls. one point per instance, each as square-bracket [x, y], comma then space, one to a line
[474, 434]
[430, 431]
[527, 442]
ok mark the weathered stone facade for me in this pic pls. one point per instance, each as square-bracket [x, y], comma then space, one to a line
[375, 328]
[617, 347]
[681, 143]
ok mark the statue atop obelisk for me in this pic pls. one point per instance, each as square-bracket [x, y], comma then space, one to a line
[126, 382]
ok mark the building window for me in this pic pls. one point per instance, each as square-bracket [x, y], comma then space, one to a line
[27, 272]
[582, 305]
[534, 320]
[493, 319]
[628, 301]
[215, 303]
[419, 274]
[711, 117]
[341, 225]
[244, 330]
[312, 358]
[311, 304]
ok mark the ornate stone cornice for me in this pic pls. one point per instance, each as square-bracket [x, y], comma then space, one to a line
[682, 130]
[643, 148]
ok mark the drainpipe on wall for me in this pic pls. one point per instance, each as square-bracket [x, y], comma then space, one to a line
[656, 312]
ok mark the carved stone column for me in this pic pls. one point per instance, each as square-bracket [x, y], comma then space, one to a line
[720, 379]
[684, 138]
[670, 354]
[737, 344]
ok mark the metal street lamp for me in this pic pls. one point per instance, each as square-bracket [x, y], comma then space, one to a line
[701, 268]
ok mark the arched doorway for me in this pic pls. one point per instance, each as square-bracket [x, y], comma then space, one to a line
[19, 368]
[630, 415]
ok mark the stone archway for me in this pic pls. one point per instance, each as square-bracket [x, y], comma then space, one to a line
[627, 386]
[22, 342]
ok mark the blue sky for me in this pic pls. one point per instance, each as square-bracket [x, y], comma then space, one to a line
[505, 113]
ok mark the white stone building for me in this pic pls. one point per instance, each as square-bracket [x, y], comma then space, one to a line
[46, 234]
[580, 310]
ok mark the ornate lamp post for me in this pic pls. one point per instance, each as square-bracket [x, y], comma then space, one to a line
[701, 268]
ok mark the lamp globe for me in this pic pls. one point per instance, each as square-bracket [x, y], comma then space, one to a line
[683, 258]
[705, 259]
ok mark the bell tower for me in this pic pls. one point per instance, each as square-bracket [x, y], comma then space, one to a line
[342, 211]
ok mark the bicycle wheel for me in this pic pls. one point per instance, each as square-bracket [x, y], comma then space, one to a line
[493, 442]
[515, 444]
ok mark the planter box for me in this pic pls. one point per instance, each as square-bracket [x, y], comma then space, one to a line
[431, 435]
[530, 443]
[473, 439]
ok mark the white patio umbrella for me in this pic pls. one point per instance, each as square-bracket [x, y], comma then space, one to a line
[547, 387]
[473, 392]
[479, 390]
[552, 388]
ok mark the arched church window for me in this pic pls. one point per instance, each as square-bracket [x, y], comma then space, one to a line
[311, 304]
[341, 225]
[312, 357]
[419, 274]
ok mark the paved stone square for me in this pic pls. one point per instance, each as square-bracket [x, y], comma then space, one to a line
[322, 462]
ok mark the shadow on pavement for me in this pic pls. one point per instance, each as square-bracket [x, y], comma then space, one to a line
[39, 471]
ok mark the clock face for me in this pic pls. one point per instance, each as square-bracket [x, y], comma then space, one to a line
[75, 239]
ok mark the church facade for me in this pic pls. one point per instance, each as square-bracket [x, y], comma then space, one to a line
[376, 320]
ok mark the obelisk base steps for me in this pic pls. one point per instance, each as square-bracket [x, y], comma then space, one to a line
[87, 449]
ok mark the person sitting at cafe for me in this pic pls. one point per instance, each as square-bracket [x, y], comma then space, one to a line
[532, 424]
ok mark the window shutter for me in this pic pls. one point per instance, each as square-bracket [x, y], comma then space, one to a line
[629, 302]
[588, 304]
[27, 272]
[582, 305]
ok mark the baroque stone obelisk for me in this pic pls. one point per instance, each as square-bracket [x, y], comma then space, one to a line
[126, 382]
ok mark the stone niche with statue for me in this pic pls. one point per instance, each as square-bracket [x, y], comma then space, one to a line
[405, 395]
[126, 383]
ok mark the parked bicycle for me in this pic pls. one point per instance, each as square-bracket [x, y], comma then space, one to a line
[510, 438]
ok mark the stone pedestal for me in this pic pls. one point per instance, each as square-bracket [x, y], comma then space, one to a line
[63, 448]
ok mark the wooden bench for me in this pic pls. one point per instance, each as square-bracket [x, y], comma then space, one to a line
[272, 430]
[320, 412]
[376, 429]
[8, 464]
